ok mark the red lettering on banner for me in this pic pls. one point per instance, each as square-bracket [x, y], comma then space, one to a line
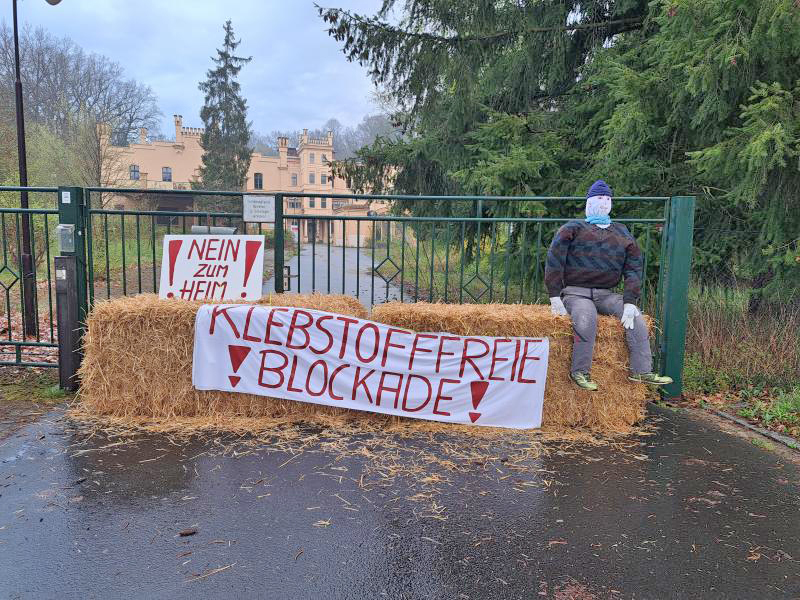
[210, 249]
[442, 340]
[525, 357]
[385, 388]
[440, 396]
[516, 359]
[271, 323]
[249, 338]
[467, 358]
[215, 312]
[332, 379]
[357, 383]
[278, 370]
[232, 247]
[293, 326]
[324, 378]
[347, 322]
[201, 272]
[202, 288]
[496, 360]
[388, 344]
[374, 329]
[416, 348]
[291, 376]
[318, 323]
[408, 385]
[200, 248]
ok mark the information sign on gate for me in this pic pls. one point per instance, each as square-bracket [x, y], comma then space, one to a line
[258, 209]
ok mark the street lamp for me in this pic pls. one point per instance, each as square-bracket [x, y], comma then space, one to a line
[29, 316]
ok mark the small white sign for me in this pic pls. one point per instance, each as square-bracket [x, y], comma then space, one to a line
[65, 198]
[212, 267]
[61, 273]
[259, 209]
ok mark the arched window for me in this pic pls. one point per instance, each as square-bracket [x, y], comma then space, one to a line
[311, 158]
[311, 178]
[258, 181]
[166, 173]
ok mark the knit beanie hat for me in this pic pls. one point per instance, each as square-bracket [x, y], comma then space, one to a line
[599, 188]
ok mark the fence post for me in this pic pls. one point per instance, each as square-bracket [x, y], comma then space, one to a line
[69, 327]
[676, 295]
[277, 241]
[72, 210]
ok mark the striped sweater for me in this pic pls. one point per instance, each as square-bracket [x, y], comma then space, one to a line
[584, 255]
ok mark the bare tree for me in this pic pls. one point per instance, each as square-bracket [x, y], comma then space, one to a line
[71, 91]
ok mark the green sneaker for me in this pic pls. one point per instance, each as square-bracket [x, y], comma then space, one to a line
[582, 380]
[650, 378]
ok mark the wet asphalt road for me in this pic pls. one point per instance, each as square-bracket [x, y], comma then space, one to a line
[338, 270]
[690, 512]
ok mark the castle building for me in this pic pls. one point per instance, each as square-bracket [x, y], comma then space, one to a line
[156, 165]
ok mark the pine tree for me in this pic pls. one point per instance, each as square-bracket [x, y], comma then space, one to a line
[226, 139]
[541, 97]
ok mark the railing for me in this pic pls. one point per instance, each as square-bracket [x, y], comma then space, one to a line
[403, 248]
[17, 348]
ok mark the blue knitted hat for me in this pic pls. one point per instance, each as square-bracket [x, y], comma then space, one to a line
[599, 188]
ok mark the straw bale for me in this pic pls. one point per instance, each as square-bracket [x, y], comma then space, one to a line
[615, 408]
[138, 361]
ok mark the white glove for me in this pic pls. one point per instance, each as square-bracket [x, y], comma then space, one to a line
[557, 307]
[629, 313]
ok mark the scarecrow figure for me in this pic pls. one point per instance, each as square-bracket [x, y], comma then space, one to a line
[586, 260]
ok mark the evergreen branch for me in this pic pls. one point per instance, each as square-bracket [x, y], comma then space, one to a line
[336, 15]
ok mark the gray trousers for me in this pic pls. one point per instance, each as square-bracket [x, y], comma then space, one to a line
[583, 305]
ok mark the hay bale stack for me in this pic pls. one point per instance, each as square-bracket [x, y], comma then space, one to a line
[138, 361]
[614, 408]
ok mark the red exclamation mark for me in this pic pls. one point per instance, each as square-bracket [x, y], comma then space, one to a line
[478, 389]
[173, 249]
[250, 252]
[237, 354]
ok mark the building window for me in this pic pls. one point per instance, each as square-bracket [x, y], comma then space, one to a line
[166, 173]
[323, 202]
[311, 178]
[258, 181]
[323, 178]
[294, 178]
[311, 203]
[324, 159]
[135, 172]
[311, 158]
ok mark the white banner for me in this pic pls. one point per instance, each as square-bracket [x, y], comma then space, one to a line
[212, 267]
[336, 360]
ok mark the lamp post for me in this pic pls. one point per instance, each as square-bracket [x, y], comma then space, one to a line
[29, 316]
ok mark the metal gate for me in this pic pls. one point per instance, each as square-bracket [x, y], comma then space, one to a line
[373, 247]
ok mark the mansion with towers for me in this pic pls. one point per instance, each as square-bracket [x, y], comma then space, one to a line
[158, 165]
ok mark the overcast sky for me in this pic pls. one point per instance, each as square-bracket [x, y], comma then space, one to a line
[298, 76]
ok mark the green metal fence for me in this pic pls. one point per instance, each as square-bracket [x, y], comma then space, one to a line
[16, 348]
[406, 248]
